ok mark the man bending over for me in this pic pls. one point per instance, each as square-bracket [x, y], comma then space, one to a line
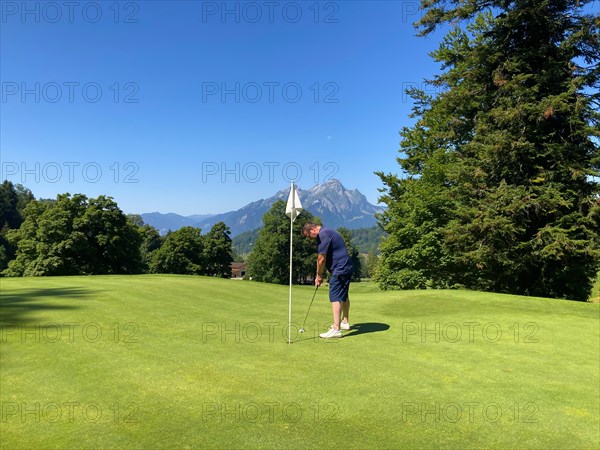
[333, 256]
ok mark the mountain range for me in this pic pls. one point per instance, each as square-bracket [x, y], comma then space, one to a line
[331, 201]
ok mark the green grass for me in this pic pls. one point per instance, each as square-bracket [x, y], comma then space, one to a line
[194, 362]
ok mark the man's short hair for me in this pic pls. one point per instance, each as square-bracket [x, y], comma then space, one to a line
[307, 227]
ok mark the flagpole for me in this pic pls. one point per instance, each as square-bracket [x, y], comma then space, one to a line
[291, 249]
[292, 209]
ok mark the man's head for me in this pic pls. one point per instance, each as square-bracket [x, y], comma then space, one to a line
[311, 230]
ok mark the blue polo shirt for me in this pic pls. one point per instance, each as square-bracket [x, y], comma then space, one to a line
[331, 244]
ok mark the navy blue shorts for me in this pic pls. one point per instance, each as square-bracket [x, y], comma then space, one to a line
[338, 288]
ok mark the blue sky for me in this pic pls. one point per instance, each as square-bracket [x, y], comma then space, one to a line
[189, 108]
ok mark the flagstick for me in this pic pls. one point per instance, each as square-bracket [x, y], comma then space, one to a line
[292, 209]
[291, 249]
[290, 307]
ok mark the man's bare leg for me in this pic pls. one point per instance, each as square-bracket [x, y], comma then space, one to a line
[337, 311]
[346, 311]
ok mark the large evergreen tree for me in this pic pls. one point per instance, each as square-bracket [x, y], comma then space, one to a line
[10, 216]
[499, 193]
[13, 200]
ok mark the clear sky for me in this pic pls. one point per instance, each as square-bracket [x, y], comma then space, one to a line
[201, 107]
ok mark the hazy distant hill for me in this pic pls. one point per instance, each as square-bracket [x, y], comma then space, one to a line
[171, 221]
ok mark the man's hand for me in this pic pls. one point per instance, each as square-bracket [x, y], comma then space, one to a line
[321, 258]
[318, 280]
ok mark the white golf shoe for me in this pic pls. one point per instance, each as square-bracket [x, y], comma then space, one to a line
[345, 326]
[331, 333]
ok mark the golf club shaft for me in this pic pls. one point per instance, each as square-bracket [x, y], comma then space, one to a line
[311, 302]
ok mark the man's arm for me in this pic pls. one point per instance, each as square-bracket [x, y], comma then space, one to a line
[321, 258]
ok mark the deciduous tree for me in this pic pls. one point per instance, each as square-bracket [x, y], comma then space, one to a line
[270, 257]
[218, 251]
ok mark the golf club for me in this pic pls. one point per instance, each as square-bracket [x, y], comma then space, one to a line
[301, 330]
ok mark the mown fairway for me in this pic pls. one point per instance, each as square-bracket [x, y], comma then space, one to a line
[192, 362]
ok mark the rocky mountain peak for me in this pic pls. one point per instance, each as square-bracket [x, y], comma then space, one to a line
[331, 201]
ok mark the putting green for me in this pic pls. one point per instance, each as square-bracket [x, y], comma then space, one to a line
[161, 361]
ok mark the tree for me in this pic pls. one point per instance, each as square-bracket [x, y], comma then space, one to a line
[367, 238]
[74, 236]
[136, 219]
[243, 242]
[371, 263]
[498, 193]
[353, 252]
[113, 241]
[46, 242]
[24, 196]
[25, 239]
[10, 216]
[182, 253]
[9, 219]
[13, 200]
[151, 239]
[218, 252]
[270, 257]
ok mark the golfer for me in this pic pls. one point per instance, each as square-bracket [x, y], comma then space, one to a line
[332, 254]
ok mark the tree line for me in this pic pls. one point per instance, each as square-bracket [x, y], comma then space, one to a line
[77, 235]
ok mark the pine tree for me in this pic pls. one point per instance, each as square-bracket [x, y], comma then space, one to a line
[499, 193]
[10, 219]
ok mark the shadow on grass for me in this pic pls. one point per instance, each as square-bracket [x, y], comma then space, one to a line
[358, 328]
[18, 307]
[367, 327]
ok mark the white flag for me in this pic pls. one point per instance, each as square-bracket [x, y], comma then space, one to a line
[294, 206]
